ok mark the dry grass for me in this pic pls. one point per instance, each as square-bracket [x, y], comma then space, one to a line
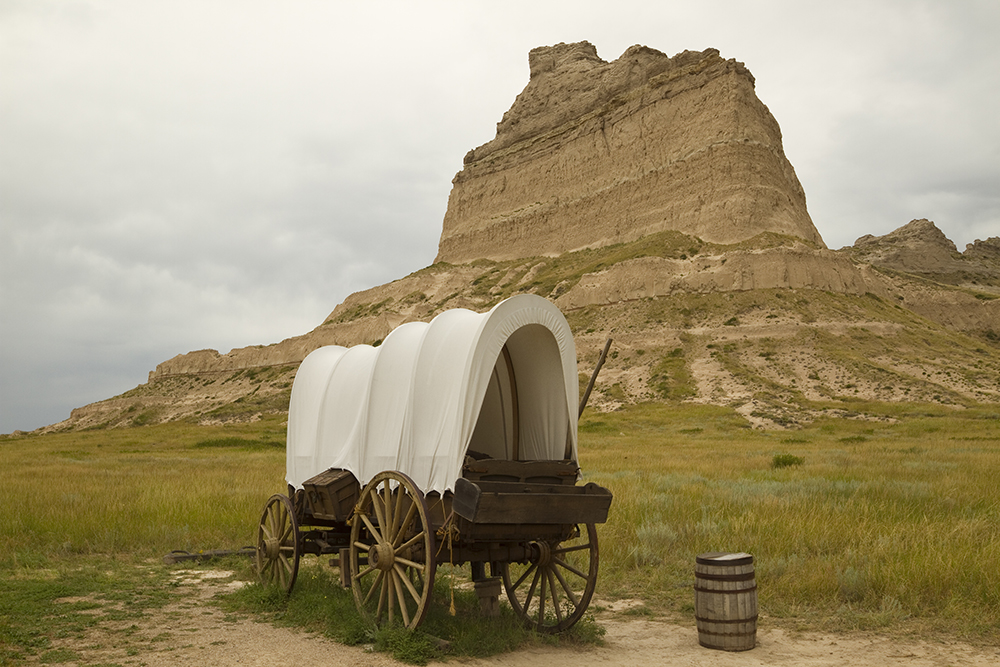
[144, 490]
[892, 521]
[883, 522]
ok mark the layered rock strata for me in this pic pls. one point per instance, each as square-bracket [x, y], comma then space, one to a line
[699, 260]
[593, 153]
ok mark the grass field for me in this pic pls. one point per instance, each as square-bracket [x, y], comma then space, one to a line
[889, 523]
[886, 523]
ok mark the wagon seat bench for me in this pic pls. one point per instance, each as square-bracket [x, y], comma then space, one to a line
[455, 441]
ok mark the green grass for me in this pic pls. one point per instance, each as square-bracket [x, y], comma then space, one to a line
[891, 522]
[143, 491]
[318, 604]
[882, 524]
[51, 599]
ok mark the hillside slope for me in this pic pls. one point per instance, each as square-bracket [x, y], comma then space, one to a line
[772, 327]
[649, 198]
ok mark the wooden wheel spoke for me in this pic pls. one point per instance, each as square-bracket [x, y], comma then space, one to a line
[565, 586]
[410, 563]
[362, 546]
[399, 597]
[566, 550]
[541, 596]
[387, 582]
[375, 582]
[386, 499]
[408, 583]
[410, 542]
[524, 576]
[399, 526]
[379, 516]
[531, 590]
[363, 574]
[555, 596]
[372, 529]
[410, 514]
[569, 567]
[383, 590]
[266, 529]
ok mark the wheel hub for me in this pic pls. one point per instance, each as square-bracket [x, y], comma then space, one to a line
[382, 557]
[544, 553]
[272, 547]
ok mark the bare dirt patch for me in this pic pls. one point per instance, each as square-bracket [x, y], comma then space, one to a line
[193, 631]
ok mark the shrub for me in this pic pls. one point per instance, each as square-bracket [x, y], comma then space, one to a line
[785, 460]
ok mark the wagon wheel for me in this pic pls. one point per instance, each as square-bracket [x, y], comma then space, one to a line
[552, 590]
[278, 548]
[392, 551]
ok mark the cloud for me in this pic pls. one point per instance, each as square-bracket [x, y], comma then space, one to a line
[187, 175]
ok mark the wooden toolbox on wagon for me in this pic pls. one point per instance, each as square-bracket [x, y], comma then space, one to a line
[331, 495]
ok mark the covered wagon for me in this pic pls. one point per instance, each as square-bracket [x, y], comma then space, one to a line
[454, 441]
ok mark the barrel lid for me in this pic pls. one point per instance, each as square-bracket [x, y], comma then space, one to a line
[723, 558]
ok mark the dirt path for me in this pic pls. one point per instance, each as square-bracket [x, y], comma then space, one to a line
[191, 632]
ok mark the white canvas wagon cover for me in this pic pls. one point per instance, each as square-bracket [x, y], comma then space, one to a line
[502, 383]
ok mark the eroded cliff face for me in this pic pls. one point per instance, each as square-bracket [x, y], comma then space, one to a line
[593, 153]
[649, 198]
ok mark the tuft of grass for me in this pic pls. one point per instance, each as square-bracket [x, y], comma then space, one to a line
[785, 460]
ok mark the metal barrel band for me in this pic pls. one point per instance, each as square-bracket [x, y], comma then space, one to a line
[701, 589]
[729, 621]
[747, 576]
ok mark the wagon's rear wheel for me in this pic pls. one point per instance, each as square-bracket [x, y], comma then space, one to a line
[392, 551]
[552, 590]
[278, 549]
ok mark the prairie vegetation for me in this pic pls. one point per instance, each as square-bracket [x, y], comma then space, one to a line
[889, 521]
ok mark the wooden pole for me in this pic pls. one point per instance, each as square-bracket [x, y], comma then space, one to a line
[593, 378]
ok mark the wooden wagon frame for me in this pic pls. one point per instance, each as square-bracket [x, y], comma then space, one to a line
[453, 442]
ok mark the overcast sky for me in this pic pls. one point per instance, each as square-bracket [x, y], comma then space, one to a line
[181, 175]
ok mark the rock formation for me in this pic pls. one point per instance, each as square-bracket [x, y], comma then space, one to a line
[920, 248]
[593, 153]
[649, 198]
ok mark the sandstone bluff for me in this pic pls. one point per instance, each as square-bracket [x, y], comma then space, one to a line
[650, 198]
[594, 153]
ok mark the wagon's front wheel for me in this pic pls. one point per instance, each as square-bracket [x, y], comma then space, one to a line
[278, 550]
[392, 551]
[552, 589]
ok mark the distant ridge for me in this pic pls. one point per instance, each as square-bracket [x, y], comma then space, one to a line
[676, 226]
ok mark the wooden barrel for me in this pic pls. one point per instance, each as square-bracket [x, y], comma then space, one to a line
[725, 601]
